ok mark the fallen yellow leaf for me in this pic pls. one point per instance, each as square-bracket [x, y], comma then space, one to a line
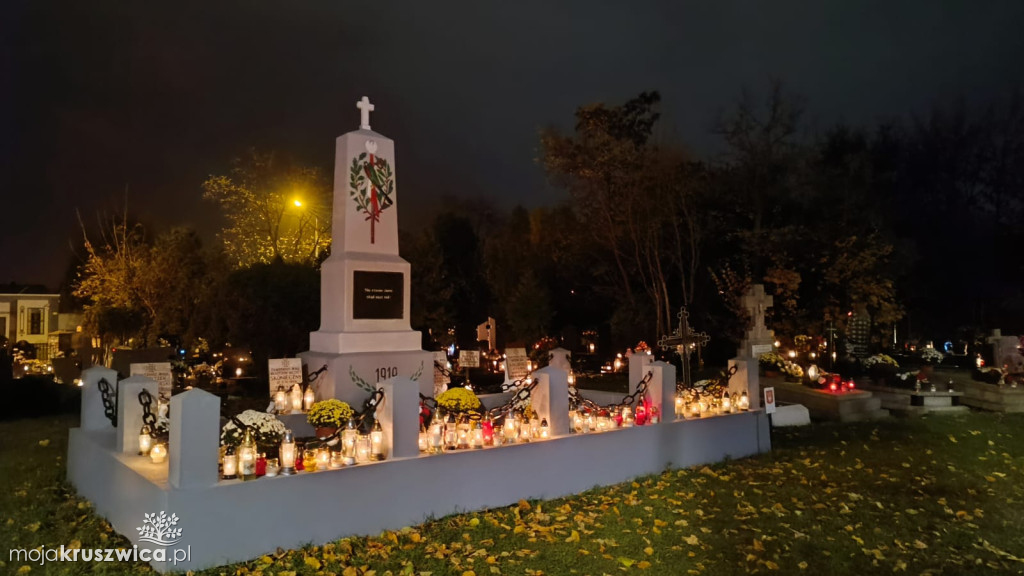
[44, 443]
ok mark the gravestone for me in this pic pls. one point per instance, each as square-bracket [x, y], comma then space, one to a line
[685, 341]
[365, 336]
[284, 372]
[860, 331]
[159, 372]
[1006, 351]
[758, 340]
[488, 332]
[517, 364]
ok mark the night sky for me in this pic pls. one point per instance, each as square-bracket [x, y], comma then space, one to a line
[100, 97]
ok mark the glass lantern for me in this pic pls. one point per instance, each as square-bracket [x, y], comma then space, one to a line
[627, 417]
[377, 447]
[726, 403]
[487, 431]
[545, 430]
[348, 439]
[436, 435]
[510, 429]
[363, 448]
[744, 403]
[158, 453]
[296, 398]
[280, 400]
[247, 456]
[476, 436]
[145, 440]
[288, 454]
[308, 398]
[323, 458]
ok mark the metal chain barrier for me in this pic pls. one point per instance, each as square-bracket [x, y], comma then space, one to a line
[577, 401]
[108, 394]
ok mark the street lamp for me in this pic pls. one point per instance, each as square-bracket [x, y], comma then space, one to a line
[316, 230]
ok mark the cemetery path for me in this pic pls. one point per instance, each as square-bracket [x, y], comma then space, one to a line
[934, 495]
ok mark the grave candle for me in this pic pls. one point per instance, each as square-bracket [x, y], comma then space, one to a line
[280, 400]
[308, 460]
[655, 415]
[525, 429]
[377, 447]
[726, 403]
[436, 436]
[323, 458]
[158, 453]
[476, 439]
[680, 406]
[288, 453]
[641, 414]
[510, 429]
[145, 440]
[588, 423]
[545, 431]
[272, 467]
[247, 456]
[695, 409]
[744, 401]
[296, 398]
[348, 439]
[626, 417]
[424, 440]
[261, 465]
[487, 431]
[337, 460]
[363, 448]
[230, 464]
[534, 427]
[308, 398]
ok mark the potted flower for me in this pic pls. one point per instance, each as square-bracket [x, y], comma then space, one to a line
[327, 416]
[771, 364]
[792, 371]
[266, 428]
[458, 400]
[882, 368]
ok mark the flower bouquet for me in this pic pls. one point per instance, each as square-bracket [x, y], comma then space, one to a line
[882, 367]
[771, 362]
[266, 428]
[329, 415]
[458, 400]
[792, 371]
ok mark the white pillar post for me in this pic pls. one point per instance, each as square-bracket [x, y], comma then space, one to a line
[194, 445]
[639, 365]
[398, 414]
[550, 399]
[93, 417]
[662, 389]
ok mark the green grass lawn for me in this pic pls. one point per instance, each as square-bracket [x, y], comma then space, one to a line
[933, 495]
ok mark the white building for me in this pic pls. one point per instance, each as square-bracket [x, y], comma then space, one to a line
[30, 318]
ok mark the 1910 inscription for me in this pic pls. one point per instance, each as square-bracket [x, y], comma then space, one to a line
[377, 295]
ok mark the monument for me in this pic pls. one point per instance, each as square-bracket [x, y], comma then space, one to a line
[758, 340]
[365, 336]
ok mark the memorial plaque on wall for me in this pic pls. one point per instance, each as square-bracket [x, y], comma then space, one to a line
[377, 295]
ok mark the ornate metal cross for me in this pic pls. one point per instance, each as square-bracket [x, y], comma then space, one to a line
[682, 339]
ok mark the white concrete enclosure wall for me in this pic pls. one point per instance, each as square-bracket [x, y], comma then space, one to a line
[232, 521]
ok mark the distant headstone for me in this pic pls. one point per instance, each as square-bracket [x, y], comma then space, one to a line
[441, 379]
[758, 335]
[1006, 351]
[284, 372]
[516, 364]
[469, 358]
[160, 372]
[860, 331]
[488, 332]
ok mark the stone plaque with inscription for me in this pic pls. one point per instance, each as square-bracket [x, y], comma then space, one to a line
[377, 295]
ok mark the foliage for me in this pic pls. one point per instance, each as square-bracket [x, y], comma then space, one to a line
[267, 430]
[880, 360]
[330, 412]
[771, 361]
[919, 495]
[458, 399]
[931, 355]
[792, 370]
[264, 224]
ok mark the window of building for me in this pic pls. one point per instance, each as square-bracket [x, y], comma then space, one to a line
[35, 321]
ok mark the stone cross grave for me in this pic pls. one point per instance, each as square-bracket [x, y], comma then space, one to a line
[759, 338]
[683, 337]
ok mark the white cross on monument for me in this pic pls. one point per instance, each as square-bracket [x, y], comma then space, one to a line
[364, 113]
